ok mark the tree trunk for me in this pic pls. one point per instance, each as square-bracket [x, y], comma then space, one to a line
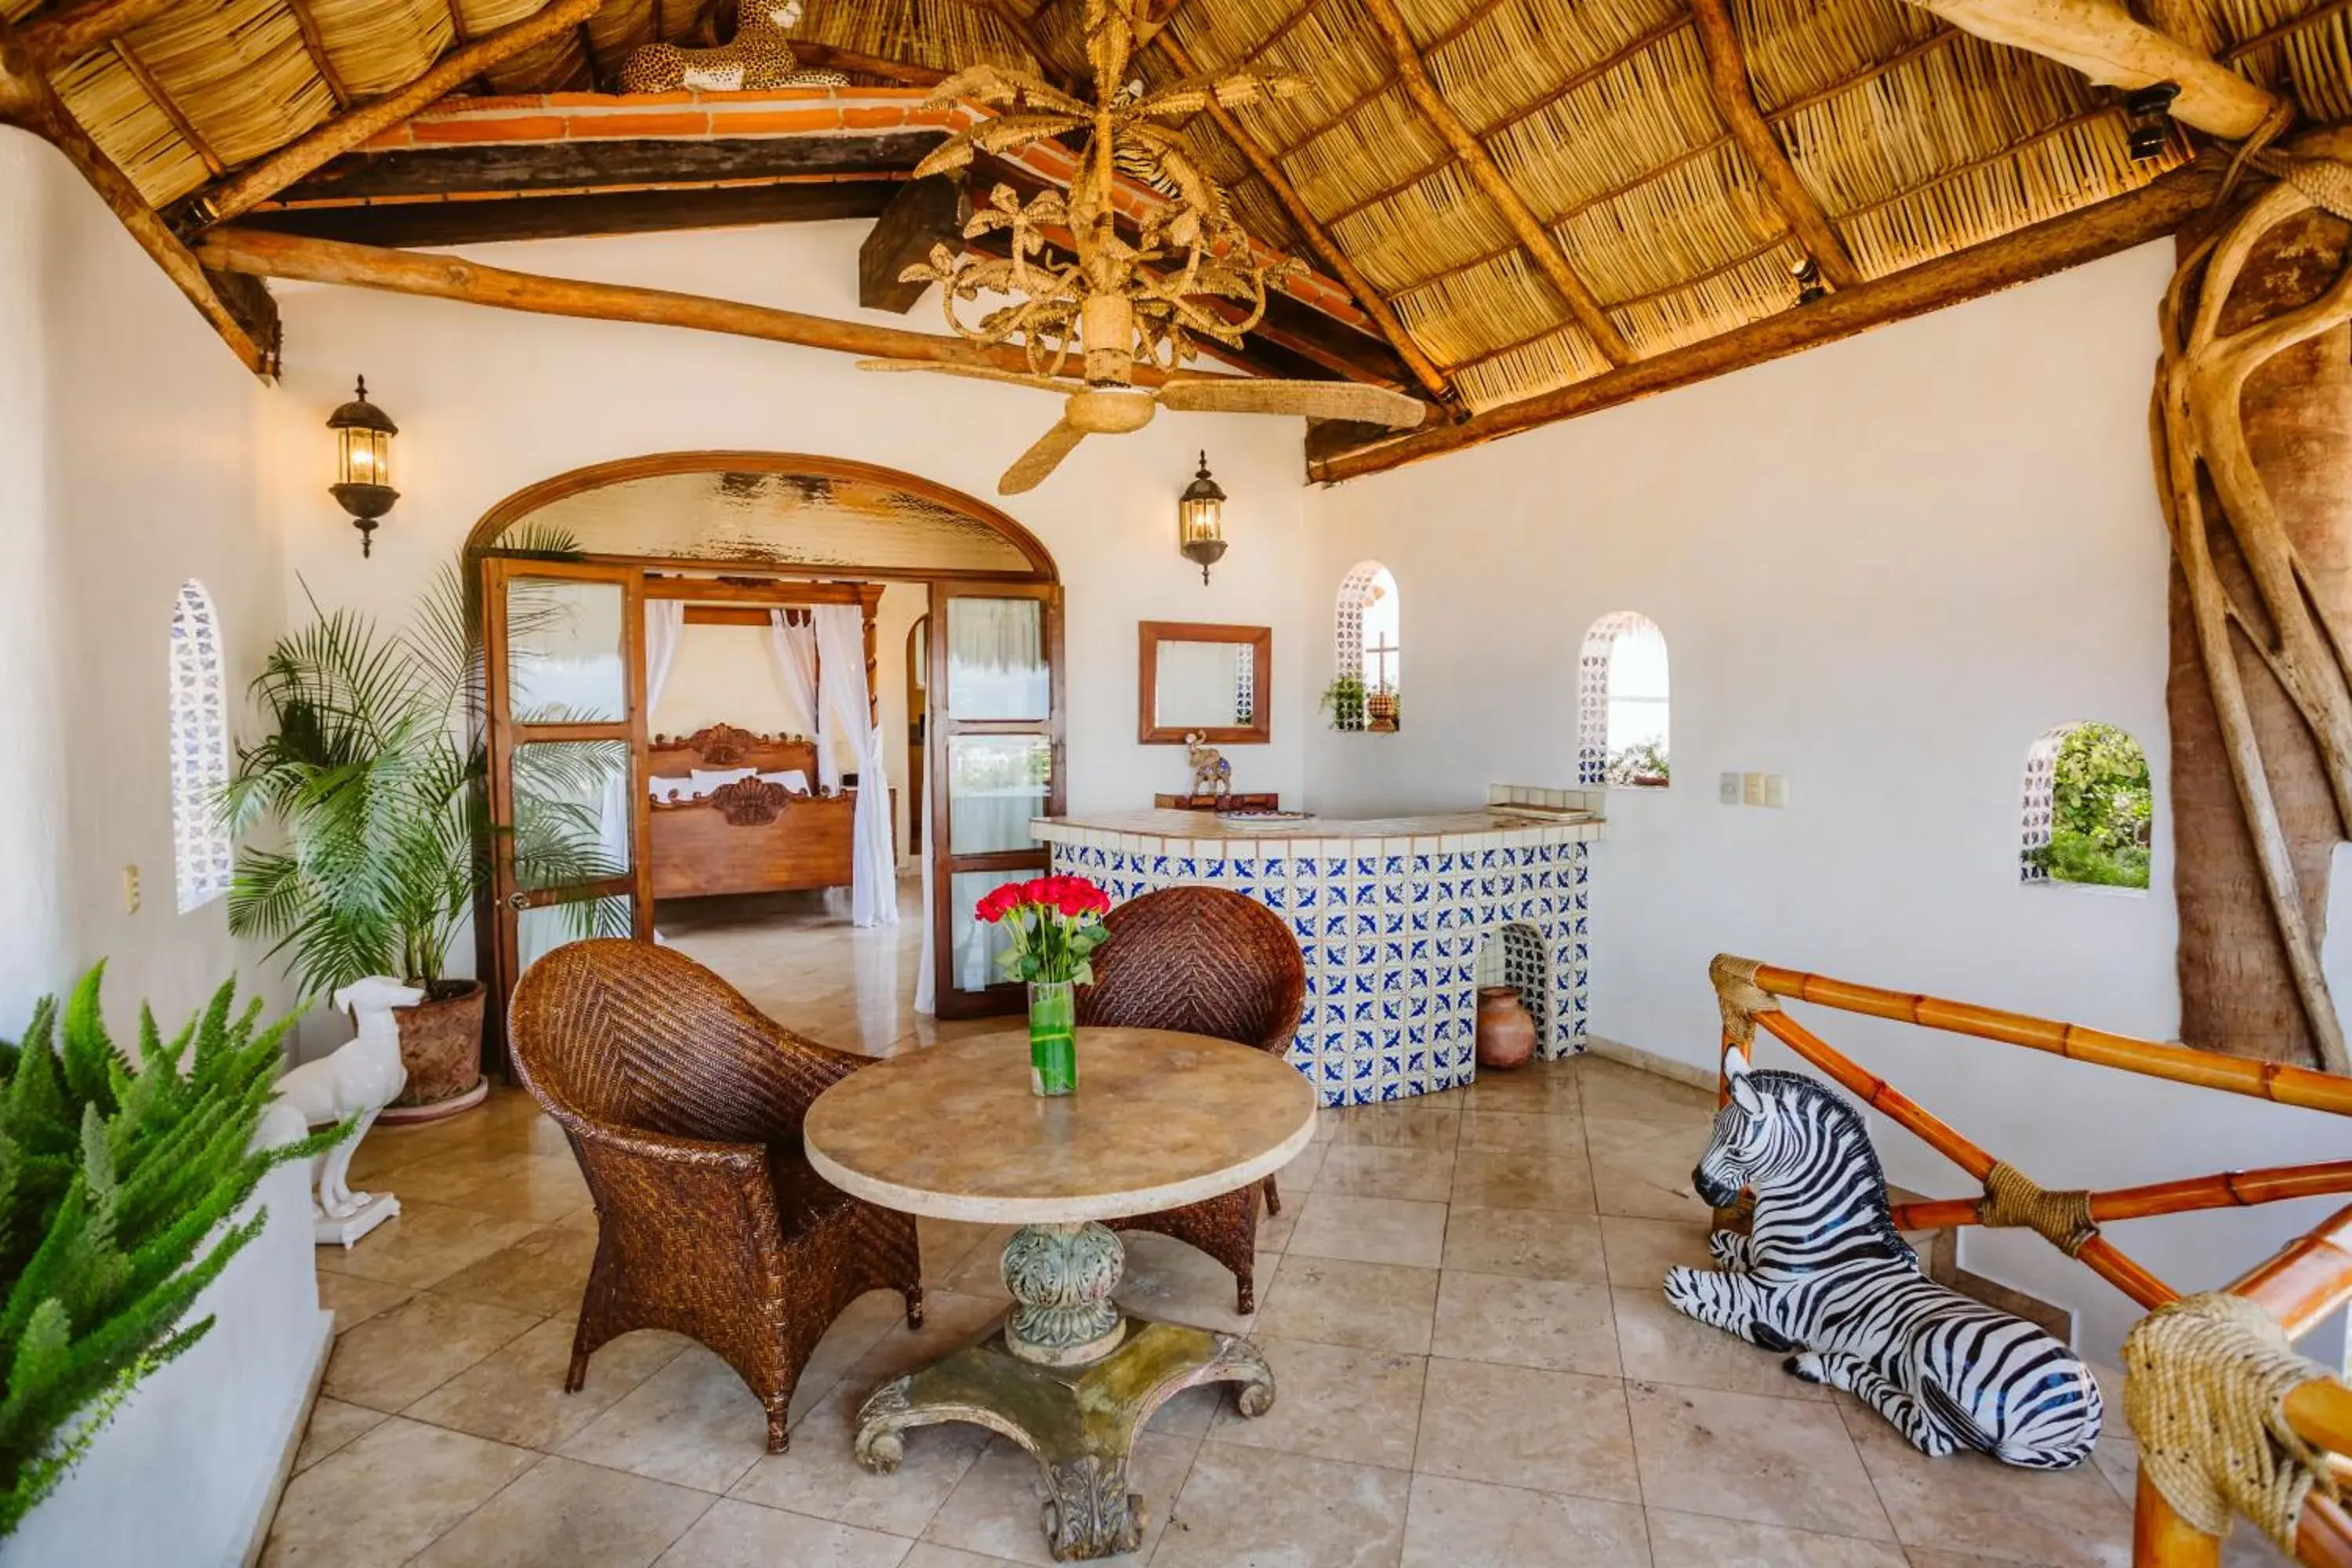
[2238, 991]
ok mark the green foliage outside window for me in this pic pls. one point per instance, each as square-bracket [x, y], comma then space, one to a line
[119, 1175]
[2102, 811]
[1642, 762]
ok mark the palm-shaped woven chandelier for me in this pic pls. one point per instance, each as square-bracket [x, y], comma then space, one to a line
[1116, 301]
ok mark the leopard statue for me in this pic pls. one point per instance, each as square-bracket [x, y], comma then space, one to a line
[758, 56]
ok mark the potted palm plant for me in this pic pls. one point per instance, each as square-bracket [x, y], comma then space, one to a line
[372, 778]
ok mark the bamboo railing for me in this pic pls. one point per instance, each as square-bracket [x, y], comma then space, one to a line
[2309, 1278]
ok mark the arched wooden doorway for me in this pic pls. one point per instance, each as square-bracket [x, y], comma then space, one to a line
[566, 569]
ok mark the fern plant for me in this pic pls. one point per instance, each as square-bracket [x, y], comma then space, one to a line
[374, 770]
[118, 1177]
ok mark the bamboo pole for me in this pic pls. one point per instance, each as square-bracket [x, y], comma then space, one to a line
[1549, 259]
[2162, 1539]
[240, 192]
[2305, 1279]
[1351, 276]
[2035, 251]
[1735, 100]
[295, 257]
[27, 99]
[2228, 1189]
[2106, 43]
[2274, 1082]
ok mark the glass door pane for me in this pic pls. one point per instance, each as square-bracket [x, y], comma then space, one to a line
[994, 750]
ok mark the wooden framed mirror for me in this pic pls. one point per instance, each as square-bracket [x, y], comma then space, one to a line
[1197, 679]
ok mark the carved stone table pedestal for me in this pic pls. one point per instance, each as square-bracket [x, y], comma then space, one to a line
[1159, 1120]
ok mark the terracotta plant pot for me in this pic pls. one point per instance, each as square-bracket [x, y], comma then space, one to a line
[1506, 1035]
[441, 1046]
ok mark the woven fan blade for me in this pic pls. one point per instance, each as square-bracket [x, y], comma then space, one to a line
[1040, 461]
[975, 372]
[1316, 399]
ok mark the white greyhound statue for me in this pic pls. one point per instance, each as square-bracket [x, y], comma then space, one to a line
[356, 1080]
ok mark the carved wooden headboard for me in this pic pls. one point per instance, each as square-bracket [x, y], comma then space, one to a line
[725, 746]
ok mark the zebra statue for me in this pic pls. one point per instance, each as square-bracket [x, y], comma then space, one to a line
[1825, 1274]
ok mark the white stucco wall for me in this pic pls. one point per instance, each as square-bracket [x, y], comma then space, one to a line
[490, 401]
[1881, 569]
[127, 451]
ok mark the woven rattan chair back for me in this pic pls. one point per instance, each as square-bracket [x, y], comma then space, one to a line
[1202, 960]
[631, 1035]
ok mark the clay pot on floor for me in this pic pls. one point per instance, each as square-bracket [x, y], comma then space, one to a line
[441, 1046]
[1506, 1035]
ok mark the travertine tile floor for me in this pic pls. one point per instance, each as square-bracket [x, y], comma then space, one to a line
[1460, 1300]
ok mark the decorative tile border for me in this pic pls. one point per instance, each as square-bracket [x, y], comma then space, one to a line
[1391, 930]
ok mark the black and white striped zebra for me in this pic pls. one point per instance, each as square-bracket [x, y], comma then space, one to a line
[1825, 1274]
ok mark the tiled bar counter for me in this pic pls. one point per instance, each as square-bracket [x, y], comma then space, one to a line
[1401, 920]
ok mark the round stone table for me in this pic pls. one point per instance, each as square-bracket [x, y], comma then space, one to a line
[1159, 1120]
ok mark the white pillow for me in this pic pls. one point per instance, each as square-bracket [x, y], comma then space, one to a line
[792, 779]
[709, 779]
[683, 788]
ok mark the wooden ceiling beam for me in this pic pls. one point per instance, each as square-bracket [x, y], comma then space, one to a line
[2107, 44]
[2118, 224]
[259, 182]
[235, 248]
[73, 31]
[574, 214]
[315, 43]
[181, 123]
[244, 316]
[1318, 239]
[1549, 259]
[1735, 100]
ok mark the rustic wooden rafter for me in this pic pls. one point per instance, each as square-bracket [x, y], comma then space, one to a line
[2107, 44]
[259, 182]
[243, 316]
[2156, 209]
[315, 43]
[171, 110]
[72, 32]
[1549, 259]
[234, 249]
[1735, 100]
[2288, 28]
[1318, 239]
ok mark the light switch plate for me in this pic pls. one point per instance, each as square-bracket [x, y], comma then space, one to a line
[1727, 791]
[131, 889]
[1751, 789]
[1776, 790]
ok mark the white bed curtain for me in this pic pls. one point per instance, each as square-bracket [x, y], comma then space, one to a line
[793, 648]
[846, 714]
[616, 813]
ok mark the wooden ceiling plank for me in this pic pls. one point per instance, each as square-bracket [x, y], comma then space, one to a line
[2116, 225]
[1549, 259]
[2107, 44]
[1734, 98]
[260, 181]
[73, 31]
[172, 112]
[26, 99]
[1318, 239]
[574, 214]
[235, 248]
[316, 43]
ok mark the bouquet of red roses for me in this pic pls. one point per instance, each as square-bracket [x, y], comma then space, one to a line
[1056, 923]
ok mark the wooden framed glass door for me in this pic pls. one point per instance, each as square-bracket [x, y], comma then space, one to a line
[564, 694]
[994, 747]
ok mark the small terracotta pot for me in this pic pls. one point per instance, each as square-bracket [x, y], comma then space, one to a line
[441, 1044]
[1506, 1035]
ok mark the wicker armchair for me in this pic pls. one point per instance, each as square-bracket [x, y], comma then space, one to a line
[684, 1104]
[1207, 962]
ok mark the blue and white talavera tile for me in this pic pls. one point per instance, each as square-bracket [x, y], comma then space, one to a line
[1396, 946]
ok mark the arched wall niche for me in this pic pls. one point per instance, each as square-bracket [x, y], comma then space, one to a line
[786, 512]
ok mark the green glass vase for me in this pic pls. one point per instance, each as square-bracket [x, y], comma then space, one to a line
[1054, 1036]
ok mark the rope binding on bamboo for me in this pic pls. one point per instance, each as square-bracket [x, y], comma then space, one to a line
[1736, 992]
[2206, 1380]
[2326, 182]
[2061, 1216]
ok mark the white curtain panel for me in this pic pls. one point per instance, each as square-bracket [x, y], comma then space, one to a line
[617, 811]
[844, 714]
[795, 650]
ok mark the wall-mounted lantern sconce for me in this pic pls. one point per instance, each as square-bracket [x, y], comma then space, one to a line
[362, 484]
[1200, 521]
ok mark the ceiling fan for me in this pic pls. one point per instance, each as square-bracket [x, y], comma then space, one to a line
[1119, 303]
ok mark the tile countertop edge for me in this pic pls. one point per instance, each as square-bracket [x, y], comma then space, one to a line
[1442, 832]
